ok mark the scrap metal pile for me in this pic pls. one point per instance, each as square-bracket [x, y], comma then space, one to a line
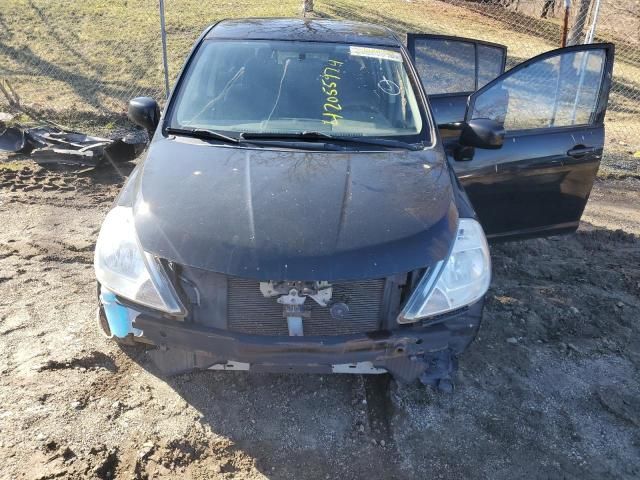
[49, 142]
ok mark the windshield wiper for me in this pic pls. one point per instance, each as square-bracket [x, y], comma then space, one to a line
[289, 142]
[203, 133]
[324, 136]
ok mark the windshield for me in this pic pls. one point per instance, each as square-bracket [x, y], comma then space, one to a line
[283, 87]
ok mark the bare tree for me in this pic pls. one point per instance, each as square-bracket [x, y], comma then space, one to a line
[549, 6]
[582, 12]
[307, 7]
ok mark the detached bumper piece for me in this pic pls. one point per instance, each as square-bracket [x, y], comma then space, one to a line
[425, 352]
[50, 145]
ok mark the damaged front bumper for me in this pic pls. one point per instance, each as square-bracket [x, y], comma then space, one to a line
[427, 352]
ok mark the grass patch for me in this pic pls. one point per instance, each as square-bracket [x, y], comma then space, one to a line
[80, 62]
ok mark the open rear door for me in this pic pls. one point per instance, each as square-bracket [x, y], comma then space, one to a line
[552, 108]
[452, 68]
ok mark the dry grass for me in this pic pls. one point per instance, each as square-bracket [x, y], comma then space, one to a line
[81, 61]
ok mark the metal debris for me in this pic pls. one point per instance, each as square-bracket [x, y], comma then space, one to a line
[47, 144]
[11, 139]
[53, 143]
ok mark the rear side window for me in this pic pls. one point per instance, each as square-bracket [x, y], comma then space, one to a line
[450, 66]
[446, 67]
[490, 64]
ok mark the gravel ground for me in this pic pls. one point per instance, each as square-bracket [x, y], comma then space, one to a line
[551, 388]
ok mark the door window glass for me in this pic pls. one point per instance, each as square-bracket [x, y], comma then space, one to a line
[449, 65]
[490, 63]
[445, 66]
[557, 91]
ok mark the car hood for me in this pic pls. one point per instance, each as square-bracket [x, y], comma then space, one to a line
[293, 215]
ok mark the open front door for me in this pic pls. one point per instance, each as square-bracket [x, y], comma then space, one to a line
[552, 108]
[452, 68]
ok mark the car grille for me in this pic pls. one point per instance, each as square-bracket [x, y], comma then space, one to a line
[248, 311]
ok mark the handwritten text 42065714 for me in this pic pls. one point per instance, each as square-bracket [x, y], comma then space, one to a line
[330, 78]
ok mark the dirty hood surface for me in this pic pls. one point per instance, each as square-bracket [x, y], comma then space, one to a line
[293, 215]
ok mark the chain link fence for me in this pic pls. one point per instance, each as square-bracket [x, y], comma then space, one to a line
[78, 63]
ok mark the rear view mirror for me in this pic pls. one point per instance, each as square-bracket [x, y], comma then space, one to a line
[482, 133]
[145, 112]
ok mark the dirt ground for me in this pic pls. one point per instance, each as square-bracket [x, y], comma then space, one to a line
[550, 389]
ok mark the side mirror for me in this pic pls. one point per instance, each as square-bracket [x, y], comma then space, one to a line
[482, 133]
[145, 112]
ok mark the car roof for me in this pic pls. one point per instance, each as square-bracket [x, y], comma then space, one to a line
[304, 29]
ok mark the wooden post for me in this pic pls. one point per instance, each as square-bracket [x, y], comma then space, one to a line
[565, 23]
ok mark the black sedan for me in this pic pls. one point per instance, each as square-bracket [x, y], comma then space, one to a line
[317, 197]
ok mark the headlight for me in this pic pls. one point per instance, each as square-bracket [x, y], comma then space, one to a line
[124, 268]
[462, 280]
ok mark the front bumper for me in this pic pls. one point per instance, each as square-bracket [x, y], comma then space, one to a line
[407, 352]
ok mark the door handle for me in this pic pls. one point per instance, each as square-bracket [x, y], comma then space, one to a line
[579, 152]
